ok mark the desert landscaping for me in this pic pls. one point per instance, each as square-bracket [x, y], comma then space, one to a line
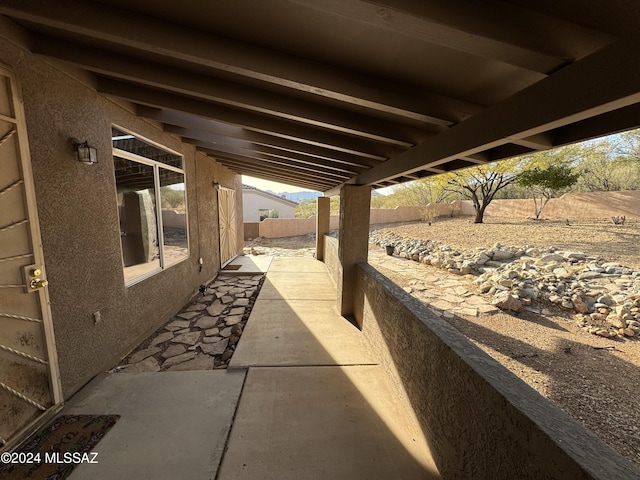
[571, 331]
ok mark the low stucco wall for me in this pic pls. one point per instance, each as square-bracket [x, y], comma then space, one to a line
[479, 419]
[595, 205]
[251, 230]
[331, 258]
[173, 219]
[291, 227]
[408, 214]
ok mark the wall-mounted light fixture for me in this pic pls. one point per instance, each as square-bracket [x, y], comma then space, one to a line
[216, 185]
[83, 152]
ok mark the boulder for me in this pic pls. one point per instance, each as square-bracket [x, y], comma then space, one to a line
[506, 301]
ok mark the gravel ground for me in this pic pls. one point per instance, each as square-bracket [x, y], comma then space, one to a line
[595, 380]
[619, 243]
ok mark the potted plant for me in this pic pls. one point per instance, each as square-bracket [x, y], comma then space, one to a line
[390, 249]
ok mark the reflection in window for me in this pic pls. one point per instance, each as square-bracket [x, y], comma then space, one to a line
[268, 213]
[174, 216]
[138, 218]
[146, 186]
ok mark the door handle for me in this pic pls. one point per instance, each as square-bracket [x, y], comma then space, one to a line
[38, 283]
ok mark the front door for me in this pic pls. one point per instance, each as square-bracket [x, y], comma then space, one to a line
[228, 228]
[29, 381]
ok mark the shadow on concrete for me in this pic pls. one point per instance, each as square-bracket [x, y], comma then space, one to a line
[315, 403]
[479, 419]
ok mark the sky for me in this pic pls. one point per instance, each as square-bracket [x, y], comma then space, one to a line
[283, 188]
[273, 186]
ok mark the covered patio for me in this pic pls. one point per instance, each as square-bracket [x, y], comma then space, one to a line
[335, 96]
[304, 397]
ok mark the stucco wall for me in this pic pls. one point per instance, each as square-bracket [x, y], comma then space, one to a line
[79, 219]
[251, 230]
[291, 227]
[480, 421]
[331, 258]
[173, 219]
[595, 205]
[254, 201]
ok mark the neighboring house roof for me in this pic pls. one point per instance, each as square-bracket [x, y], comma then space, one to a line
[268, 195]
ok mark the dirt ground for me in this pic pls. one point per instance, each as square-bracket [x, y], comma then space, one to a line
[593, 379]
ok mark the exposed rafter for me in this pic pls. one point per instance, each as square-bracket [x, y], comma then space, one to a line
[231, 94]
[369, 92]
[252, 121]
[490, 29]
[273, 143]
[204, 49]
[602, 82]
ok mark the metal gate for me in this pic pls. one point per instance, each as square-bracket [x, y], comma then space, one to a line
[29, 381]
[228, 226]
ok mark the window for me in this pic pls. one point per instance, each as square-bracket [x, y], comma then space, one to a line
[149, 180]
[268, 213]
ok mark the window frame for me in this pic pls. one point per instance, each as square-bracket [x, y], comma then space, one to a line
[156, 165]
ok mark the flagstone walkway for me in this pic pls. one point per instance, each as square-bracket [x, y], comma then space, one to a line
[204, 334]
[446, 295]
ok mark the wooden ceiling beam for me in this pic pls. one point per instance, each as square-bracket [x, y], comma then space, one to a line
[258, 140]
[245, 148]
[600, 83]
[265, 159]
[246, 166]
[116, 26]
[253, 121]
[179, 123]
[228, 93]
[490, 29]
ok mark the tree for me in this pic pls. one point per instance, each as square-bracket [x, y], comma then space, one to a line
[421, 192]
[480, 184]
[546, 183]
[307, 207]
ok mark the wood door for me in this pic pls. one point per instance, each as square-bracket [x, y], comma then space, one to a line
[228, 227]
[29, 381]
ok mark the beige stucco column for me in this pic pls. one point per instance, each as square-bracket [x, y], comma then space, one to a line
[323, 217]
[353, 241]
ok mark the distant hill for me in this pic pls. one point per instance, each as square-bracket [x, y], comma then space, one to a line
[297, 196]
[308, 195]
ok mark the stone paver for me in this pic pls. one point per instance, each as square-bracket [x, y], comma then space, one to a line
[204, 334]
[163, 337]
[444, 293]
[142, 354]
[173, 351]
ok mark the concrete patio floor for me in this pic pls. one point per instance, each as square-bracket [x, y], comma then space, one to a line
[303, 398]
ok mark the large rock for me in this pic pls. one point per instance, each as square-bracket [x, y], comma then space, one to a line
[502, 255]
[551, 258]
[506, 301]
[616, 321]
[579, 304]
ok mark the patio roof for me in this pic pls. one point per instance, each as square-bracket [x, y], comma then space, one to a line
[317, 93]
